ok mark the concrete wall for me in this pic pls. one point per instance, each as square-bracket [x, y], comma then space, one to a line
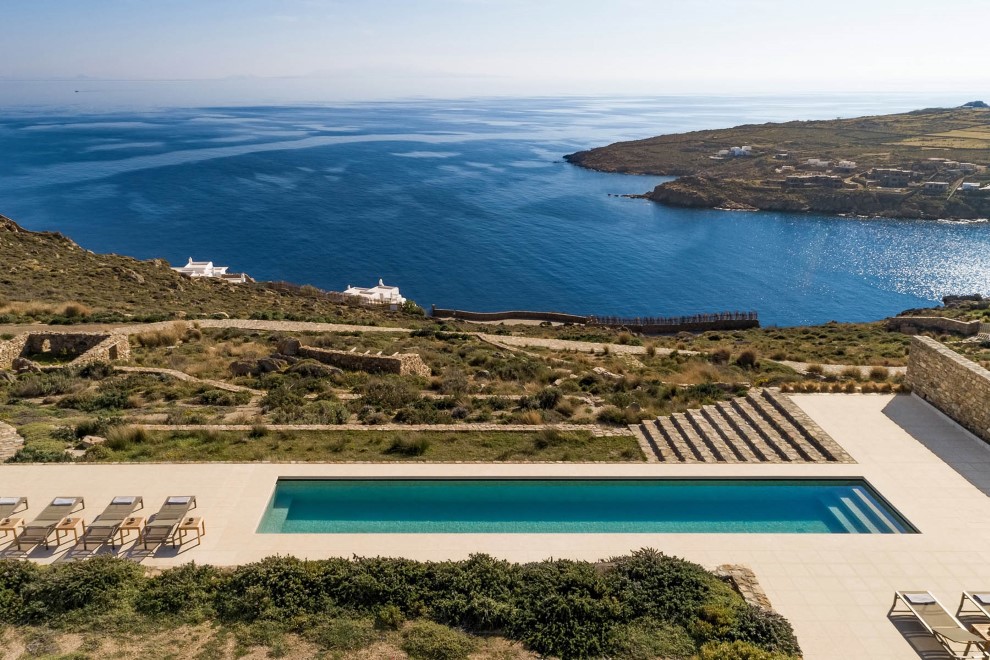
[958, 387]
[912, 325]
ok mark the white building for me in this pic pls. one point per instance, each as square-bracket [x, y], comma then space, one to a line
[207, 269]
[201, 269]
[380, 293]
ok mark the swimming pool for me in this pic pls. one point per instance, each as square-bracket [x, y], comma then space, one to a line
[540, 506]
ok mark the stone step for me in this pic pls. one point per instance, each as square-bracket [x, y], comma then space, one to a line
[770, 452]
[649, 451]
[694, 441]
[659, 442]
[786, 429]
[814, 434]
[780, 444]
[722, 450]
[741, 445]
[676, 440]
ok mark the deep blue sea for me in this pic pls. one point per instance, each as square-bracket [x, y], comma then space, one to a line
[469, 204]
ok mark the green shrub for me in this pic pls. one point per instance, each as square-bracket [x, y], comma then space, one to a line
[389, 393]
[612, 415]
[39, 453]
[747, 359]
[646, 639]
[15, 577]
[282, 398]
[409, 446]
[217, 397]
[96, 370]
[425, 640]
[97, 426]
[46, 383]
[389, 617]
[764, 629]
[120, 438]
[186, 590]
[342, 634]
[655, 585]
[97, 584]
[475, 594]
[737, 651]
[548, 398]
[564, 608]
[275, 588]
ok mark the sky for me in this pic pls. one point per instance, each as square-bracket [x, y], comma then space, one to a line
[380, 49]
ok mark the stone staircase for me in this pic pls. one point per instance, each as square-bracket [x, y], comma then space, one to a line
[762, 427]
[10, 441]
[983, 336]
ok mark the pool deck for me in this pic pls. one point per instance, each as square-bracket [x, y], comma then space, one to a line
[836, 589]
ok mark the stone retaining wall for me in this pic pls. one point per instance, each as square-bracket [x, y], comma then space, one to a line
[403, 364]
[12, 349]
[86, 347]
[912, 325]
[958, 387]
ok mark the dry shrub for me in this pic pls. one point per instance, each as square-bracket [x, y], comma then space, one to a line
[879, 373]
[531, 417]
[852, 373]
[868, 388]
[850, 387]
[70, 309]
[695, 373]
[816, 369]
[170, 335]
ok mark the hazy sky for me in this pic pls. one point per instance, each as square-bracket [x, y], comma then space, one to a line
[396, 48]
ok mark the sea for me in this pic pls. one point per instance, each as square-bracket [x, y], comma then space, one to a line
[467, 204]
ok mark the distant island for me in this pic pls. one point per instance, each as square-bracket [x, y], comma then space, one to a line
[930, 163]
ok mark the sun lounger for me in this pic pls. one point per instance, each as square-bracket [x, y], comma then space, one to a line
[104, 527]
[11, 505]
[974, 602]
[163, 524]
[38, 530]
[954, 637]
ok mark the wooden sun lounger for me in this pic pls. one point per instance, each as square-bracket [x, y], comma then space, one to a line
[38, 530]
[955, 638]
[104, 527]
[163, 524]
[11, 505]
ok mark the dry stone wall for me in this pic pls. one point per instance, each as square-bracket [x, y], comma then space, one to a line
[912, 325]
[84, 347]
[403, 364]
[958, 387]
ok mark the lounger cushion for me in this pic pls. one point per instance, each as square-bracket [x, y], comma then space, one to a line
[128, 499]
[920, 599]
[63, 501]
[7, 501]
[983, 598]
[178, 500]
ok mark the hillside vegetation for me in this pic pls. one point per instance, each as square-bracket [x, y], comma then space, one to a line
[909, 141]
[46, 276]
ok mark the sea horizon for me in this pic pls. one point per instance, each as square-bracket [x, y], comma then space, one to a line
[468, 204]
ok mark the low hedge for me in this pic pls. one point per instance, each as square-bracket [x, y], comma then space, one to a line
[627, 607]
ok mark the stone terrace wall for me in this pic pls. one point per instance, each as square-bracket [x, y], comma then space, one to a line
[404, 364]
[113, 348]
[958, 387]
[86, 346]
[912, 325]
[11, 350]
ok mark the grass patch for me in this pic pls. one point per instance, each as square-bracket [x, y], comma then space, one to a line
[339, 446]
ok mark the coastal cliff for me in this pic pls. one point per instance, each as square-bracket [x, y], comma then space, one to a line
[923, 164]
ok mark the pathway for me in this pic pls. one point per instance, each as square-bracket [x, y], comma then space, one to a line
[181, 375]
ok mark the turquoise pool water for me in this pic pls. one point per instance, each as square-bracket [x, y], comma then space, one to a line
[502, 506]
